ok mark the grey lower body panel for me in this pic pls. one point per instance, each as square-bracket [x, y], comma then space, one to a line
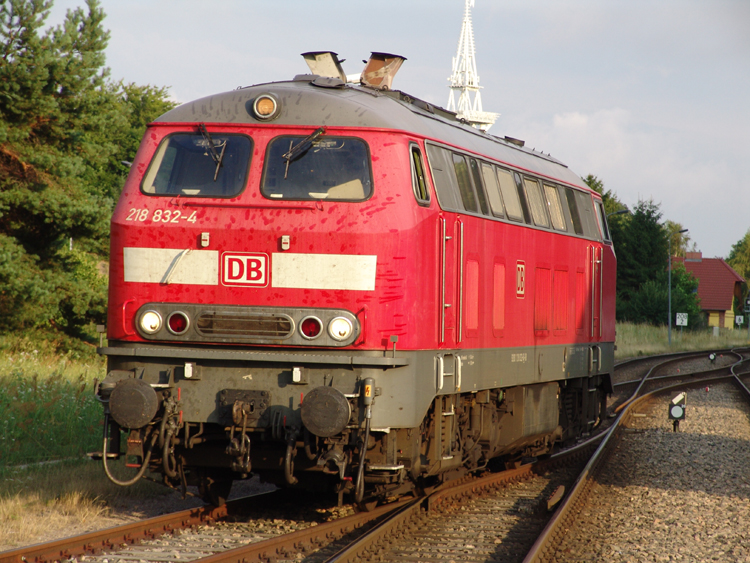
[406, 385]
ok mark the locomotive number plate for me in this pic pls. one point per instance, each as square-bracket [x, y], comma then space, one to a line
[161, 216]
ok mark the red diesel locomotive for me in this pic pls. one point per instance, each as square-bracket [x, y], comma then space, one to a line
[334, 283]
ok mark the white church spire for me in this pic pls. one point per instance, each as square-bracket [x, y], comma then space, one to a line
[465, 80]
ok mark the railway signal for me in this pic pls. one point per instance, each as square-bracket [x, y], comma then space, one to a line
[677, 410]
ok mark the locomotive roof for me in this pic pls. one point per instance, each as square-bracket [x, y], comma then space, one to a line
[314, 101]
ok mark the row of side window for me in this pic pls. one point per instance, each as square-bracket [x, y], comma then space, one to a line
[466, 184]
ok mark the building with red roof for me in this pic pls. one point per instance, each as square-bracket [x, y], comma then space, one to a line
[718, 285]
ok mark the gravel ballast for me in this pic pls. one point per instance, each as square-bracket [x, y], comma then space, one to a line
[672, 496]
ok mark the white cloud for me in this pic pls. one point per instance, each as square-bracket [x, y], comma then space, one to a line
[640, 162]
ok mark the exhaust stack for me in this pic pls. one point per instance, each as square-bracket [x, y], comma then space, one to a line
[325, 63]
[380, 70]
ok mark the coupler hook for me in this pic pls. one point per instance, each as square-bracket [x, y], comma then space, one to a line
[239, 447]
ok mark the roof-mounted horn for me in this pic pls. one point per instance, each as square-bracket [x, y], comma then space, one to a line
[380, 70]
[325, 63]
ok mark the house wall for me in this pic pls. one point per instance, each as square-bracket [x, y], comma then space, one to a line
[713, 318]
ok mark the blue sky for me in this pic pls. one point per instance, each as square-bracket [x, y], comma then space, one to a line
[651, 97]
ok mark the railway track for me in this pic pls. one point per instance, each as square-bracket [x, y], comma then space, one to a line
[483, 533]
[498, 516]
[548, 545]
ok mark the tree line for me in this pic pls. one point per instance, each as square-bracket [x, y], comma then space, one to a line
[642, 242]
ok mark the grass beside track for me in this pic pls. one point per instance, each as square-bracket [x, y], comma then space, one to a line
[49, 411]
[49, 419]
[44, 502]
[634, 340]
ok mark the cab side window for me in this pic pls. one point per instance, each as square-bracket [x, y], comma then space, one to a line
[586, 211]
[443, 177]
[419, 183]
[602, 220]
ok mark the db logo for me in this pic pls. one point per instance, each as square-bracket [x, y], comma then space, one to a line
[242, 268]
[520, 279]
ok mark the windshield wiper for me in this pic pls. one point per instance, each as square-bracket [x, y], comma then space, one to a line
[296, 151]
[215, 156]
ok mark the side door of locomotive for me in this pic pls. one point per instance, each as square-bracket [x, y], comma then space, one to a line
[449, 237]
[589, 294]
[448, 227]
[459, 277]
[602, 264]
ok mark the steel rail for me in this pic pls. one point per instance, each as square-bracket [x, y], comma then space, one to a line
[567, 510]
[675, 355]
[130, 534]
[717, 369]
[359, 549]
[127, 534]
[373, 540]
[633, 397]
[308, 539]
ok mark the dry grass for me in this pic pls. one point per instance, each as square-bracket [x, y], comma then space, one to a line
[43, 503]
[645, 340]
[48, 489]
[30, 518]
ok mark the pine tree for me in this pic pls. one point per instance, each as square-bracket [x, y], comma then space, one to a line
[643, 251]
[64, 131]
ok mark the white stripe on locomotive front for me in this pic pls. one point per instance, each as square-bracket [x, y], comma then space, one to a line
[349, 272]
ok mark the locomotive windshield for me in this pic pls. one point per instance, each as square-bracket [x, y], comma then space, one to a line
[199, 165]
[331, 168]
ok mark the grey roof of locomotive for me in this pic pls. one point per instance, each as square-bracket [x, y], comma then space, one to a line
[313, 101]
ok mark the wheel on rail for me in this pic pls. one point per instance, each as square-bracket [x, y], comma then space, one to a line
[214, 485]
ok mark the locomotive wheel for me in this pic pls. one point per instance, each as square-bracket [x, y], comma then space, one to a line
[214, 486]
[367, 505]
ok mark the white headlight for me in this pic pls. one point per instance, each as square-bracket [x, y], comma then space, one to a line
[150, 322]
[340, 328]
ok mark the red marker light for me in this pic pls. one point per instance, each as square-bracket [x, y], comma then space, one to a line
[310, 327]
[178, 323]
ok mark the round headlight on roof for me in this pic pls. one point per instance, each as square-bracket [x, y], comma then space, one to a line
[150, 322]
[265, 107]
[340, 328]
